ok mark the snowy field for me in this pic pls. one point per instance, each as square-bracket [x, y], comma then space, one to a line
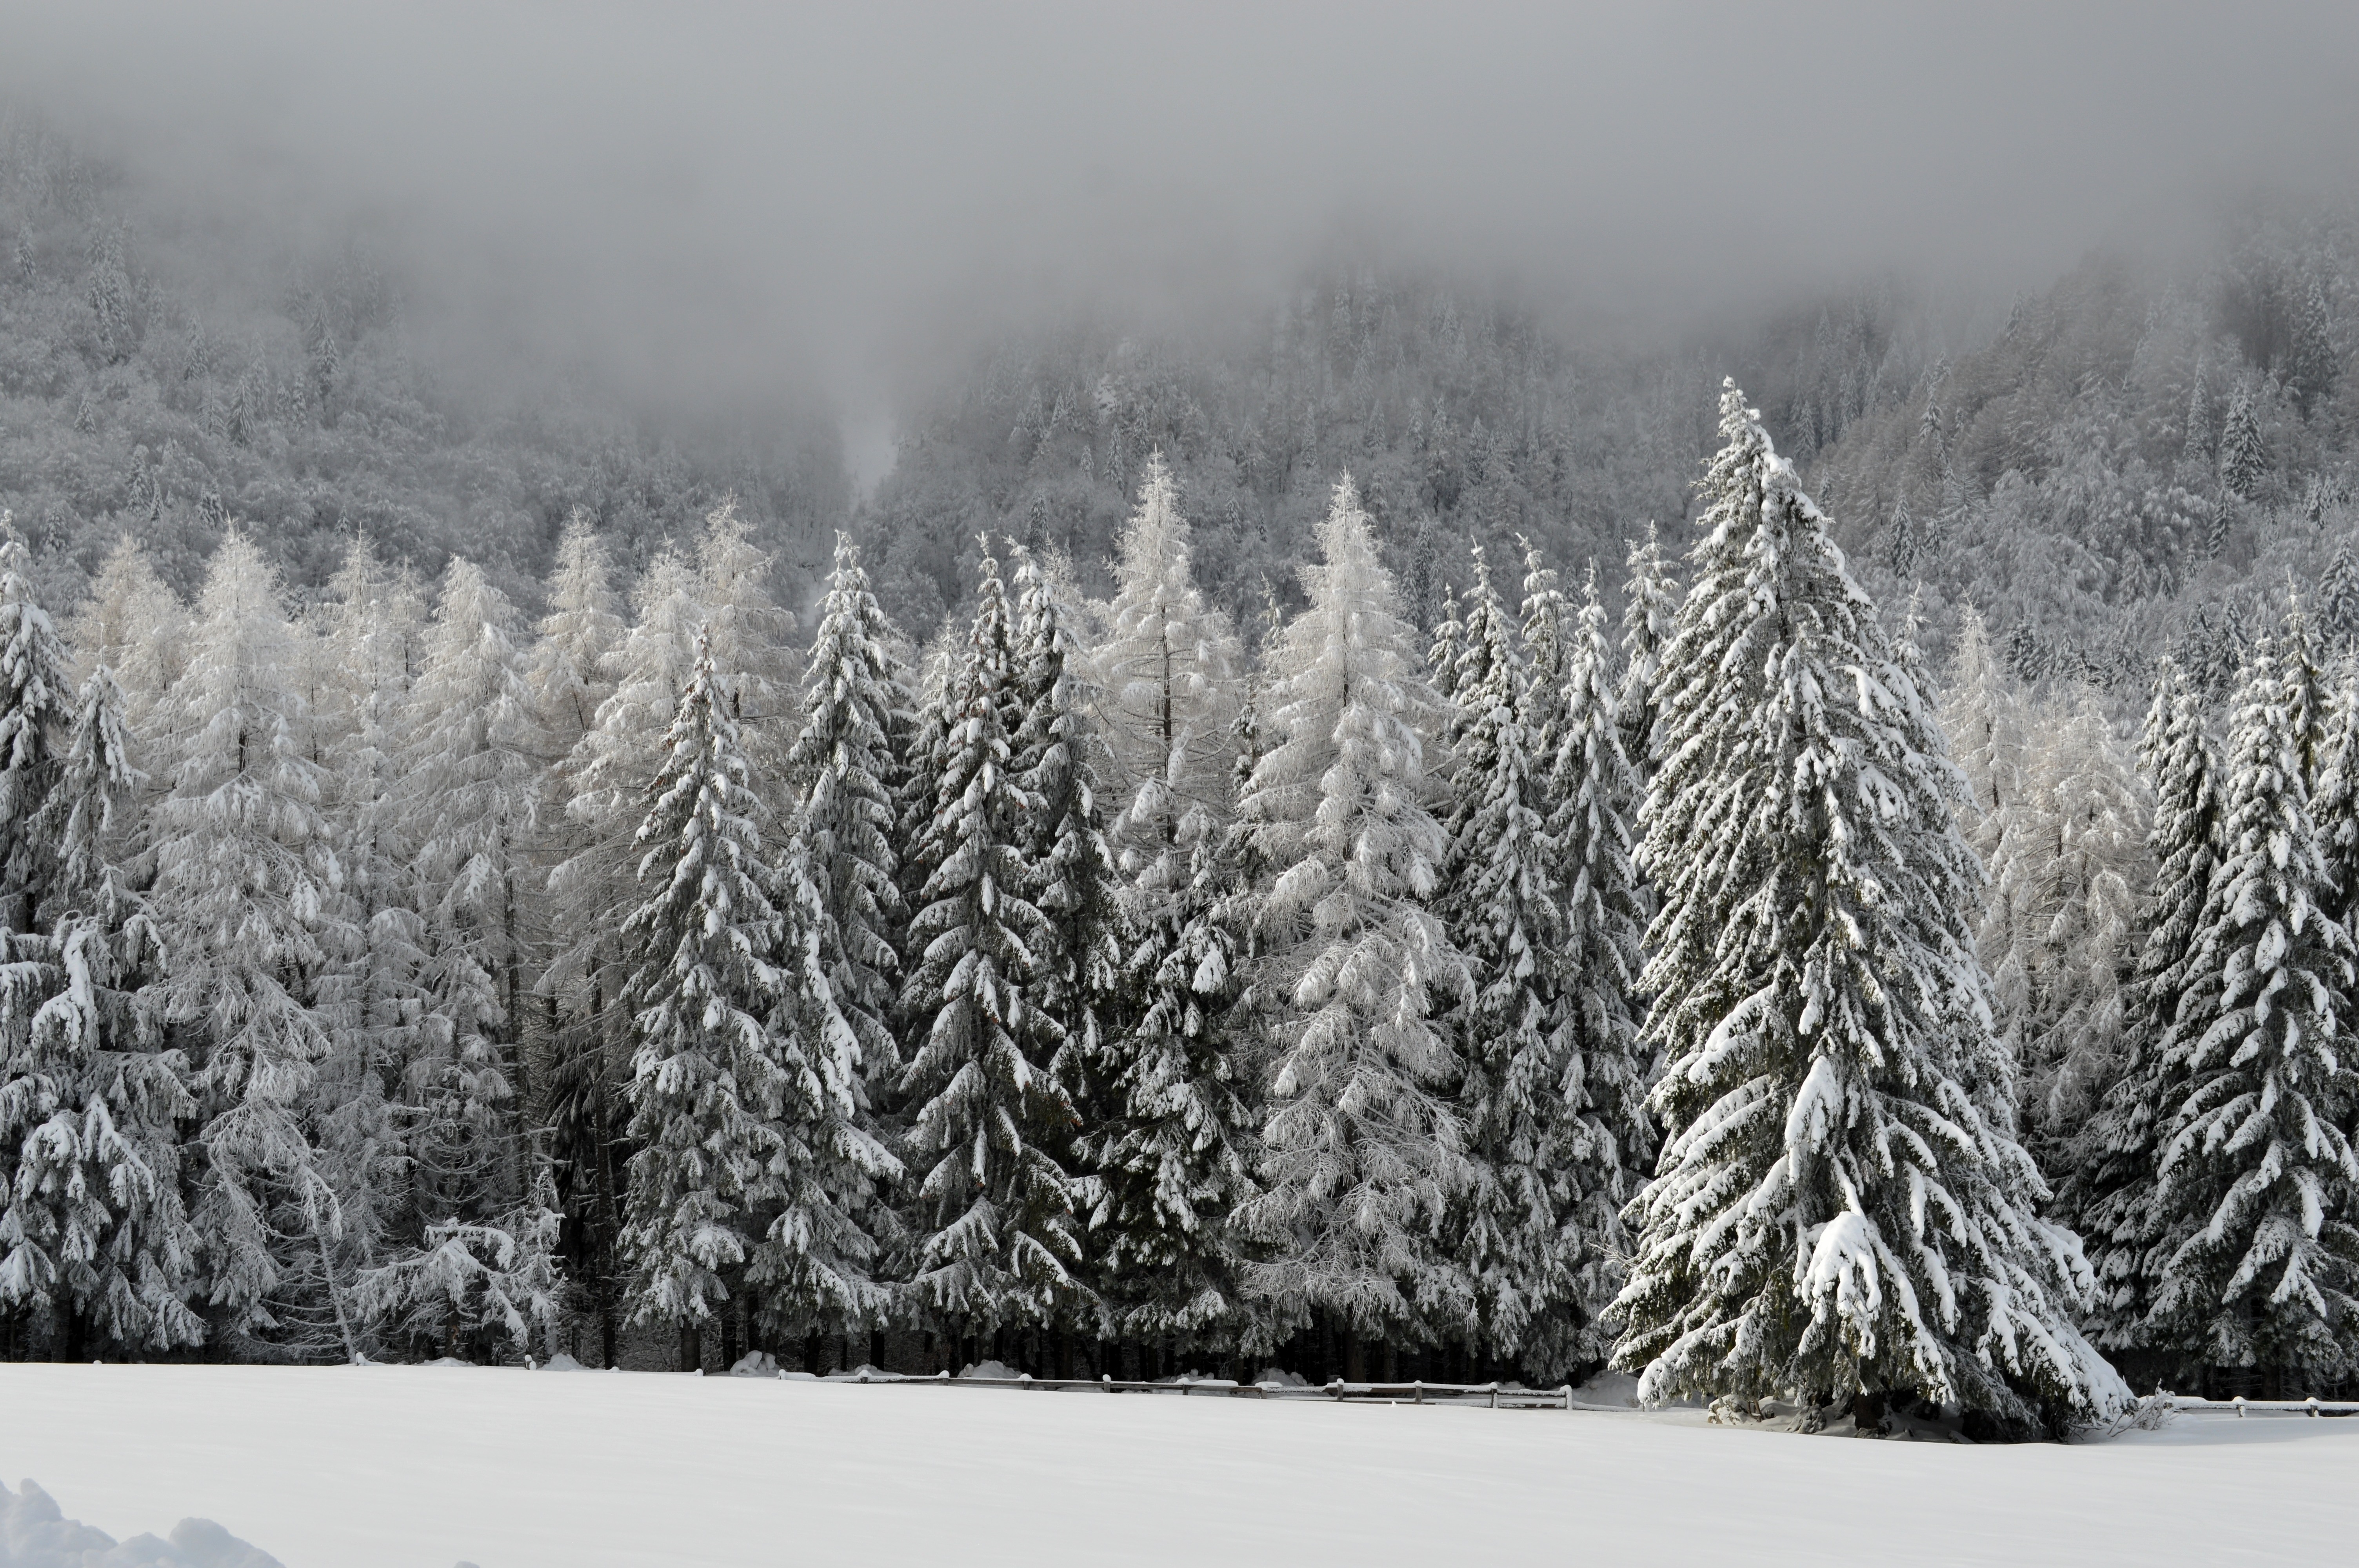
[423, 1468]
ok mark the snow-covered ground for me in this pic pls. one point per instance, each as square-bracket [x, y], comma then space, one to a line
[424, 1466]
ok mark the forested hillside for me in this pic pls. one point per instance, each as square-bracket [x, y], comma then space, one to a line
[167, 370]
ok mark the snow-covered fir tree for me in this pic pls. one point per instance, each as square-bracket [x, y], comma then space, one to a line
[1841, 1208]
[2108, 1191]
[571, 675]
[370, 645]
[752, 1173]
[997, 1241]
[1650, 612]
[1070, 867]
[94, 1233]
[2258, 1191]
[1171, 1147]
[245, 902]
[36, 702]
[1364, 1147]
[844, 770]
[754, 638]
[467, 798]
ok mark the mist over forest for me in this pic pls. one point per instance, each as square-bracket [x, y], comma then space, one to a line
[622, 269]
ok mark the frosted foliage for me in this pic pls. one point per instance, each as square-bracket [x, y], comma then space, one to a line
[1650, 612]
[1168, 676]
[1364, 1147]
[2109, 1189]
[844, 767]
[1840, 1204]
[751, 1175]
[1542, 901]
[997, 1236]
[36, 696]
[754, 642]
[570, 673]
[132, 624]
[2069, 870]
[2259, 1250]
[469, 790]
[92, 1226]
[245, 900]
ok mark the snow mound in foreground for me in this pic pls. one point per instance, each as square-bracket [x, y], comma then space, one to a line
[562, 1362]
[987, 1369]
[35, 1533]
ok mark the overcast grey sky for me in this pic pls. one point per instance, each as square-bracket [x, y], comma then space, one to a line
[732, 190]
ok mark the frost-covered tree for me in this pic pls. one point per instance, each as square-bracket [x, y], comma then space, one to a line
[2108, 1192]
[1649, 615]
[369, 646]
[571, 675]
[844, 768]
[751, 1172]
[132, 624]
[2338, 603]
[2258, 1191]
[2334, 807]
[2243, 455]
[1841, 1208]
[467, 797]
[2081, 867]
[1070, 869]
[1170, 678]
[1171, 1149]
[245, 903]
[36, 703]
[92, 1228]
[465, 812]
[997, 1239]
[753, 638]
[1543, 903]
[1364, 1149]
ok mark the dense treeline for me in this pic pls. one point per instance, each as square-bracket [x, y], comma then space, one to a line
[387, 981]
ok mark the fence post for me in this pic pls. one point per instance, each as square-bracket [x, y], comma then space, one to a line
[2312, 1402]
[2240, 1407]
[1495, 1393]
[1335, 1387]
[1417, 1390]
[1568, 1396]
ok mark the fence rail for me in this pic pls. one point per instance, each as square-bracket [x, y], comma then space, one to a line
[1489, 1396]
[2191, 1405]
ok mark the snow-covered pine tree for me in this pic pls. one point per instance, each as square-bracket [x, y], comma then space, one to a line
[754, 642]
[2087, 875]
[2338, 603]
[1601, 1155]
[36, 705]
[2108, 1192]
[844, 770]
[752, 1172]
[2244, 456]
[1541, 901]
[606, 776]
[2334, 807]
[245, 900]
[1649, 615]
[1171, 1147]
[996, 1238]
[369, 644]
[2258, 1192]
[1169, 675]
[133, 626]
[466, 802]
[1072, 883]
[1841, 1209]
[93, 1229]
[570, 674]
[1364, 1149]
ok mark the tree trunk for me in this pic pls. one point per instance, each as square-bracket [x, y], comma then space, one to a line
[1356, 1366]
[691, 1348]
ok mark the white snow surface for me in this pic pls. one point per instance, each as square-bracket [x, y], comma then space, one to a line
[423, 1467]
[35, 1533]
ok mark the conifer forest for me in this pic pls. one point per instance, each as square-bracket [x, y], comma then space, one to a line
[1811, 857]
